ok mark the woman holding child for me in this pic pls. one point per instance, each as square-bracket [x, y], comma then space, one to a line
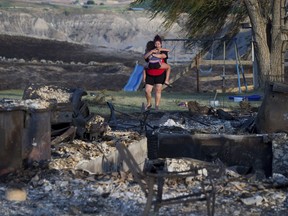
[154, 74]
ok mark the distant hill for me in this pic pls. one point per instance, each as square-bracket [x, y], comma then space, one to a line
[125, 30]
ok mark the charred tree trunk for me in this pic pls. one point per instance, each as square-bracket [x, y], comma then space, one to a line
[262, 51]
[268, 41]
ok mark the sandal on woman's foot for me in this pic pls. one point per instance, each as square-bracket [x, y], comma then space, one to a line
[167, 84]
[148, 107]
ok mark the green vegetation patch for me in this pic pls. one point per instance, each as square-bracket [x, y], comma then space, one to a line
[131, 102]
[6, 4]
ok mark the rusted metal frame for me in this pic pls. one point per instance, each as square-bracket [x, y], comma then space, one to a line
[143, 122]
[84, 108]
[182, 174]
[149, 201]
[112, 117]
[210, 198]
[160, 185]
[113, 110]
[213, 197]
[183, 198]
[146, 180]
[191, 197]
[142, 119]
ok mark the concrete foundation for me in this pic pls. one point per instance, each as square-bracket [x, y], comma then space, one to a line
[112, 162]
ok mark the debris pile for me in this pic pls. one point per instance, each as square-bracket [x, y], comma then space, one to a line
[57, 187]
[68, 110]
[28, 104]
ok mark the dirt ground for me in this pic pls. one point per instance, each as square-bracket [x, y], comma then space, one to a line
[110, 70]
[83, 66]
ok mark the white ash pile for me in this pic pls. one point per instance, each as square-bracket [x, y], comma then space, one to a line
[47, 93]
[213, 122]
[57, 188]
[29, 104]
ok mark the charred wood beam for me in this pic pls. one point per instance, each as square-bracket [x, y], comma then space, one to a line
[70, 133]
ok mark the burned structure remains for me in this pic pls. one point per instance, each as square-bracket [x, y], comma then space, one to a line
[209, 135]
[46, 115]
[52, 114]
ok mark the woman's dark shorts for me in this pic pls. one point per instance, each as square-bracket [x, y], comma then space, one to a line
[152, 80]
[154, 65]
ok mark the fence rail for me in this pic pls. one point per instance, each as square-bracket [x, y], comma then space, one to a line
[221, 62]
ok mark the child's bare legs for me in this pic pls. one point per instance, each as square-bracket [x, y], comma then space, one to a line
[168, 71]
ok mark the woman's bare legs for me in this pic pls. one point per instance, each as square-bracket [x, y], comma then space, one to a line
[144, 75]
[148, 94]
[158, 91]
[168, 71]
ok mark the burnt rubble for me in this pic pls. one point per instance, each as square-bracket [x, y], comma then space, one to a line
[59, 187]
[44, 113]
[68, 110]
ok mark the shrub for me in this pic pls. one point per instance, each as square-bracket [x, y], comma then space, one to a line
[90, 2]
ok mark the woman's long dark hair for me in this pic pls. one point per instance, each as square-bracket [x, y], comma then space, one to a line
[157, 38]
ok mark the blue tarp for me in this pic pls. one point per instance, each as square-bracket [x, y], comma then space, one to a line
[135, 79]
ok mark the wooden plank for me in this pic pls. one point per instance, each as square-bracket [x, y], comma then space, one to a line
[218, 78]
[236, 89]
[221, 62]
[210, 62]
[179, 75]
[69, 133]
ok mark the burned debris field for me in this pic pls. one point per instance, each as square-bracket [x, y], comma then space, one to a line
[66, 160]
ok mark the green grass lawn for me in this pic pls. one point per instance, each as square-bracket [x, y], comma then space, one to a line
[11, 94]
[131, 102]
